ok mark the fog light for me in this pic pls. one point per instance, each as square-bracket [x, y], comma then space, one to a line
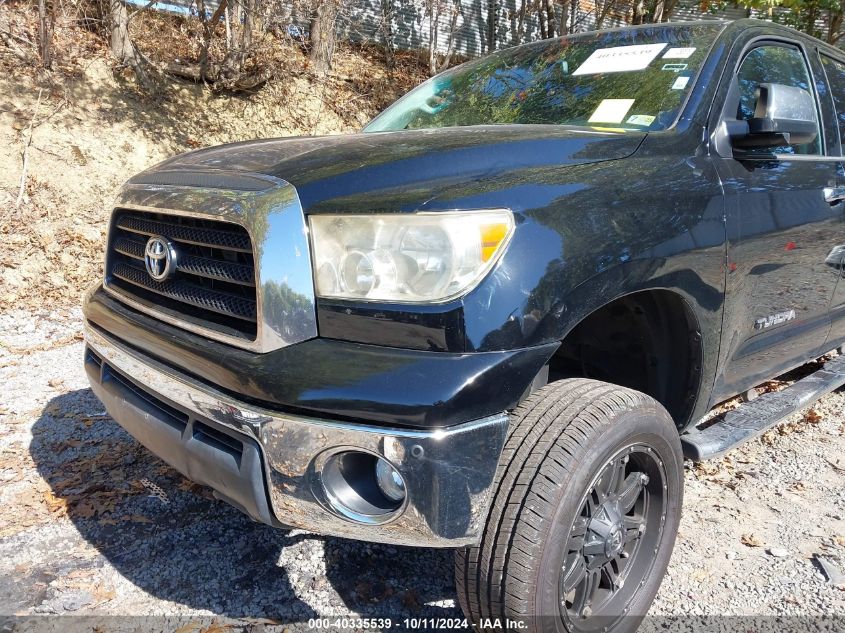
[389, 481]
[362, 487]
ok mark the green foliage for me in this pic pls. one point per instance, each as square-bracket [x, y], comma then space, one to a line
[820, 18]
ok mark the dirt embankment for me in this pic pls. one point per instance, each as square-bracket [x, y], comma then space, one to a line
[88, 130]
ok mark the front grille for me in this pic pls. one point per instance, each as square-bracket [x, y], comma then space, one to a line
[213, 285]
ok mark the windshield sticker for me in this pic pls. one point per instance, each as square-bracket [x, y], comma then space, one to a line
[640, 119]
[678, 53]
[611, 111]
[619, 59]
[680, 83]
[675, 68]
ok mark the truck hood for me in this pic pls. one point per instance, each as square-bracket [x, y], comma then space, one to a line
[399, 171]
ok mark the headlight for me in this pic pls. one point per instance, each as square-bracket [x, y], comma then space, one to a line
[410, 258]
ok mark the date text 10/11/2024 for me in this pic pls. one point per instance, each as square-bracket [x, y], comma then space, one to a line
[499, 624]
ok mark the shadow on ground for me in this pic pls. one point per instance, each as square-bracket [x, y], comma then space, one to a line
[174, 542]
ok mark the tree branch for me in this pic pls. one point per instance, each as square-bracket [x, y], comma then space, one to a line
[22, 188]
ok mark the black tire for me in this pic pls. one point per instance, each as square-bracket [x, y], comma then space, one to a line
[562, 438]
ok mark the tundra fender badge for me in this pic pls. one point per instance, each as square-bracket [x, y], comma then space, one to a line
[774, 319]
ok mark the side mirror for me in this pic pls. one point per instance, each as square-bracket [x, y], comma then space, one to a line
[784, 116]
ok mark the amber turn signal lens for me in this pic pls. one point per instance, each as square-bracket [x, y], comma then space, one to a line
[492, 236]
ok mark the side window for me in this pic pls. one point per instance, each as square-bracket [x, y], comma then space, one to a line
[835, 71]
[777, 64]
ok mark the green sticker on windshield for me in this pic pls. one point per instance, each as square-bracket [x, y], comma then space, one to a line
[641, 119]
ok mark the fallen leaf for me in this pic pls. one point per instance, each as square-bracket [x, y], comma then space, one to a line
[812, 416]
[53, 410]
[78, 155]
[84, 509]
[771, 385]
[103, 594]
[58, 447]
[54, 503]
[195, 489]
[750, 540]
[188, 628]
[380, 591]
[117, 475]
[839, 540]
[217, 627]
[138, 518]
[363, 589]
[700, 574]
[55, 383]
[411, 600]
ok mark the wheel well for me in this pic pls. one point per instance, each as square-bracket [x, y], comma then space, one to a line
[648, 341]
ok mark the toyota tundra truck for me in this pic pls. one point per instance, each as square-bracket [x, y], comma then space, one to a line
[495, 318]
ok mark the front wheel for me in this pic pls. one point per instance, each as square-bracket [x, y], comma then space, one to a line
[585, 511]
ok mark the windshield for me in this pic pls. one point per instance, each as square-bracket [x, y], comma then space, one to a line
[635, 79]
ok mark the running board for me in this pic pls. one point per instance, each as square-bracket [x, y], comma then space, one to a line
[756, 417]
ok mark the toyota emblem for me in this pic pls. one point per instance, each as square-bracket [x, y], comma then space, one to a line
[159, 258]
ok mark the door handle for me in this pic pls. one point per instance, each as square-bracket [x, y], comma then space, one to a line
[834, 195]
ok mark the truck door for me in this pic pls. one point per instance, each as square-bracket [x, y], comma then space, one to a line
[782, 220]
[834, 69]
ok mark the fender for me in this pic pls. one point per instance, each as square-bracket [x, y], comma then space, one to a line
[703, 303]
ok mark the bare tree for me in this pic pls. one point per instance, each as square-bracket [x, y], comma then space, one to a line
[638, 12]
[551, 17]
[45, 33]
[239, 39]
[602, 9]
[541, 20]
[388, 34]
[244, 22]
[122, 46]
[574, 22]
[435, 9]
[492, 23]
[548, 7]
[520, 21]
[652, 11]
[209, 26]
[323, 35]
[835, 20]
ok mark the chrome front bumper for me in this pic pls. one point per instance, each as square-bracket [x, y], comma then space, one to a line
[448, 473]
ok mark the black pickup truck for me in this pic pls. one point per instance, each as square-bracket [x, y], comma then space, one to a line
[493, 320]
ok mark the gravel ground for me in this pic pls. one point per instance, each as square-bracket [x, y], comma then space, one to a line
[93, 525]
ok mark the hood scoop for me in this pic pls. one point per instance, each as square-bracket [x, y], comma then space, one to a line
[204, 179]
